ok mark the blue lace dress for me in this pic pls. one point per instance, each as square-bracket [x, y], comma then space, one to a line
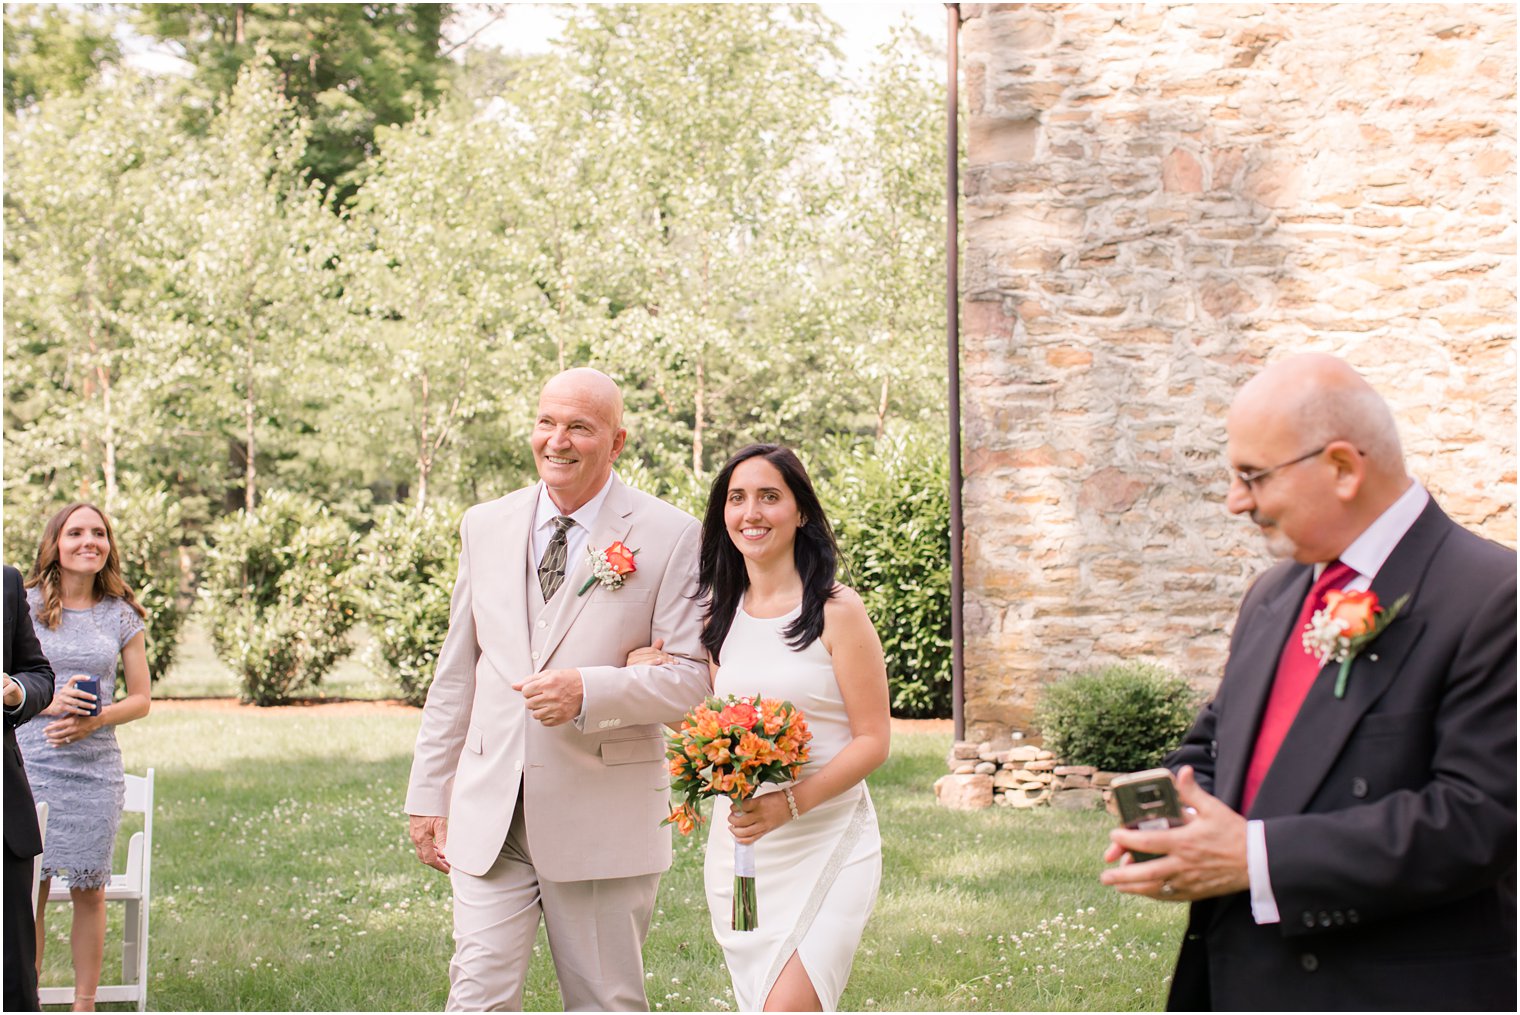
[82, 782]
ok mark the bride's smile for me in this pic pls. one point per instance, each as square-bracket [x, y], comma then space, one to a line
[761, 514]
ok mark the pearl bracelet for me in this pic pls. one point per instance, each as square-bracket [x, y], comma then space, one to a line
[791, 802]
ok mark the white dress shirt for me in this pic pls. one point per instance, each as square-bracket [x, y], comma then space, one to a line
[1365, 556]
[576, 536]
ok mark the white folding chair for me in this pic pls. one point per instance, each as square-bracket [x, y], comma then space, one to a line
[37, 863]
[132, 890]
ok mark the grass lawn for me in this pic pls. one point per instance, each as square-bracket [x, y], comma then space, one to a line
[283, 879]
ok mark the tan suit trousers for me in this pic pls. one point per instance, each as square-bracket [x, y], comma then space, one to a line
[596, 934]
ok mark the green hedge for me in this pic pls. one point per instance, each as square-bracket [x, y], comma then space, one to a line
[890, 507]
[1121, 718]
[275, 595]
[403, 582]
[149, 530]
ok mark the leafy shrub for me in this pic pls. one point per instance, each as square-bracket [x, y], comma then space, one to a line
[275, 593]
[149, 530]
[1121, 718]
[403, 582]
[890, 507]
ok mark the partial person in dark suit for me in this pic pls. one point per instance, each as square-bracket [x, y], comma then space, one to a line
[1351, 847]
[28, 690]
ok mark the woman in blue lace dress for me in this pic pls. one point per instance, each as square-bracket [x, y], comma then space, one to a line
[86, 618]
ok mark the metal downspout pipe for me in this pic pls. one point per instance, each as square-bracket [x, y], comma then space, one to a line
[952, 341]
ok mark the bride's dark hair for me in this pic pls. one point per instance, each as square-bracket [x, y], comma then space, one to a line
[722, 578]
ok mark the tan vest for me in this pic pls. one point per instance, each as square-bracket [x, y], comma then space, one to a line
[541, 615]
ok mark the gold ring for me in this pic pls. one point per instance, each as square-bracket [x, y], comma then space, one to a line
[1167, 889]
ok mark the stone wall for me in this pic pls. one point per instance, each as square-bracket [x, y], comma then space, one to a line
[1157, 201]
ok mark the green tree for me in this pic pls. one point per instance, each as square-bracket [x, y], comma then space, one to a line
[82, 371]
[894, 161]
[256, 276]
[348, 68]
[696, 129]
[53, 50]
[442, 296]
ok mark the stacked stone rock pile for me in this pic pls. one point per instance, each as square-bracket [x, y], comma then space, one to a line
[1022, 776]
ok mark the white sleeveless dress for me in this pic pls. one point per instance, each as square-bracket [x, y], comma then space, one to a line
[816, 878]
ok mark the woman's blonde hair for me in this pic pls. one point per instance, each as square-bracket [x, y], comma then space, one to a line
[47, 572]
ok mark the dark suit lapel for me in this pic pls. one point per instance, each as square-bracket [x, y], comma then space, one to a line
[1249, 673]
[612, 524]
[1324, 723]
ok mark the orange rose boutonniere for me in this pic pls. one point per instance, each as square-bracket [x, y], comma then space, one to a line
[610, 567]
[1348, 623]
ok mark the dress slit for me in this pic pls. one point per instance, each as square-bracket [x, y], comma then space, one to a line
[826, 877]
[764, 1004]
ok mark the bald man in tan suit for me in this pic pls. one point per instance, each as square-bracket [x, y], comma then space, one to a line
[539, 781]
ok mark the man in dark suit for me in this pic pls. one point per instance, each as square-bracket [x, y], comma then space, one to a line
[28, 690]
[1348, 848]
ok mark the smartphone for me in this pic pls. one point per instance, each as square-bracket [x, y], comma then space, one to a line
[1147, 802]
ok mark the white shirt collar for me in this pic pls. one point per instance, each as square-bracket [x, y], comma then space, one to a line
[585, 516]
[1368, 551]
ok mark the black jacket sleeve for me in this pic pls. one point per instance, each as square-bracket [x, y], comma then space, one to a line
[24, 660]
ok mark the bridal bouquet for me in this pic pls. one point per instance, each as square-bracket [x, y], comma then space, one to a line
[731, 747]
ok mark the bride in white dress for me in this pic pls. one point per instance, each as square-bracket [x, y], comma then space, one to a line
[777, 625]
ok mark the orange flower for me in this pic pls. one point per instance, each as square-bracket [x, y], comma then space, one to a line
[721, 750]
[620, 558]
[685, 818]
[1356, 610]
[740, 713]
[717, 751]
[752, 746]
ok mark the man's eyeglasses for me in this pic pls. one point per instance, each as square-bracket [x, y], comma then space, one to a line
[1250, 479]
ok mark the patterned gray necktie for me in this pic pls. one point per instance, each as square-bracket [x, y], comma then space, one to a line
[551, 570]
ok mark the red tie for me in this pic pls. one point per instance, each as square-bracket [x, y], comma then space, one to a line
[1296, 670]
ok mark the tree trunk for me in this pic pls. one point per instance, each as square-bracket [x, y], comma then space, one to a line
[86, 450]
[250, 471]
[881, 409]
[700, 401]
[109, 439]
[424, 458]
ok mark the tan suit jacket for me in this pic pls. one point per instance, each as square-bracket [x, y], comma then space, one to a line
[593, 798]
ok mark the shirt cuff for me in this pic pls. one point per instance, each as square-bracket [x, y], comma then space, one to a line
[579, 722]
[1263, 903]
[16, 710]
